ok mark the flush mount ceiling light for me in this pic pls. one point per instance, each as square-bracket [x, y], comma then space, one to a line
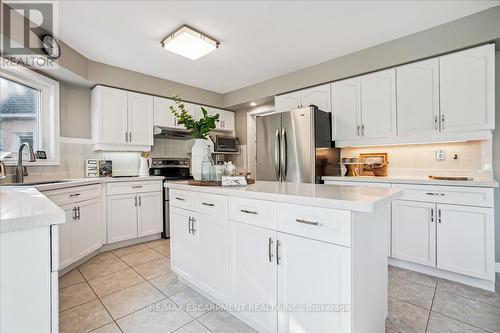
[189, 43]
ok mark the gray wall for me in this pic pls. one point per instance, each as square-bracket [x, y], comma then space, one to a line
[74, 110]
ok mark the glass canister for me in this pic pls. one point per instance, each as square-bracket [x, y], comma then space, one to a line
[206, 166]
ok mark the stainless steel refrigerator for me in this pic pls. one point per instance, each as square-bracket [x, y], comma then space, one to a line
[296, 146]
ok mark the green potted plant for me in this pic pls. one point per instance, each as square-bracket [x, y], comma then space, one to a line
[199, 130]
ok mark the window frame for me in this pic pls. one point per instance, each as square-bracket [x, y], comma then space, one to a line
[49, 127]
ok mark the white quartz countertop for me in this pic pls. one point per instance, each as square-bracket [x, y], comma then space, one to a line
[354, 198]
[26, 208]
[419, 180]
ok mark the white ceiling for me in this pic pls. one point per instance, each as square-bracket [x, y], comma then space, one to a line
[259, 39]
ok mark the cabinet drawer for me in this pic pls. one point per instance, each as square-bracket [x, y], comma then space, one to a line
[469, 196]
[256, 212]
[73, 194]
[181, 199]
[328, 225]
[134, 187]
[210, 204]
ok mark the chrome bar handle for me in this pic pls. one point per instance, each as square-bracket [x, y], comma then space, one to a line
[442, 121]
[439, 215]
[140, 201]
[180, 199]
[208, 204]
[432, 215]
[277, 153]
[189, 224]
[270, 246]
[137, 186]
[74, 213]
[284, 155]
[363, 130]
[278, 257]
[253, 212]
[129, 136]
[74, 195]
[126, 136]
[435, 193]
[308, 222]
[436, 125]
[135, 201]
[192, 225]
[357, 131]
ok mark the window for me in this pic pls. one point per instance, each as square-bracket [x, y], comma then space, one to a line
[29, 112]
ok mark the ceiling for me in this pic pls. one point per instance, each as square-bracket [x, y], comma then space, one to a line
[259, 39]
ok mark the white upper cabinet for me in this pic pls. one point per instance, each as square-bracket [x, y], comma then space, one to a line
[418, 98]
[163, 117]
[226, 121]
[318, 96]
[467, 84]
[140, 119]
[346, 111]
[378, 104]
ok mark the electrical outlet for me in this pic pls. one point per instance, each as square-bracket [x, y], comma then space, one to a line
[440, 155]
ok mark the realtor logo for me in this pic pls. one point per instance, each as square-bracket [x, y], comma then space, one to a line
[25, 27]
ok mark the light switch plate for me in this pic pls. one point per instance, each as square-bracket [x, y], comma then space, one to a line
[440, 155]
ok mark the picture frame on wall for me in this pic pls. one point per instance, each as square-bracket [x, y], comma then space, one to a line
[368, 159]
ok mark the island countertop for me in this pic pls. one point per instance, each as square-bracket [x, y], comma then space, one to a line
[354, 198]
[25, 208]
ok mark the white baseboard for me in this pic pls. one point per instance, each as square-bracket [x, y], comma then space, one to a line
[497, 267]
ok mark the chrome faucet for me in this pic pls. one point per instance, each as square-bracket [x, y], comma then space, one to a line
[20, 170]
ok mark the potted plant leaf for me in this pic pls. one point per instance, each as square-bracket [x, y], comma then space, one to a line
[199, 130]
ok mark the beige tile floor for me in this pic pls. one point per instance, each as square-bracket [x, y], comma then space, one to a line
[133, 290]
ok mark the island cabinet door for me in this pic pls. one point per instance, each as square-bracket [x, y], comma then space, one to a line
[414, 231]
[87, 228]
[465, 238]
[65, 237]
[314, 278]
[211, 234]
[254, 274]
[184, 245]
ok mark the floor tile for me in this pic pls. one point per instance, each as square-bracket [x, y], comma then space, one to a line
[169, 284]
[404, 317]
[193, 327]
[84, 318]
[75, 295]
[164, 250]
[480, 295]
[110, 283]
[193, 302]
[467, 310]
[130, 249]
[154, 268]
[138, 258]
[100, 258]
[158, 243]
[411, 292]
[412, 276]
[109, 328]
[224, 322]
[131, 299]
[70, 278]
[443, 324]
[94, 270]
[390, 330]
[162, 317]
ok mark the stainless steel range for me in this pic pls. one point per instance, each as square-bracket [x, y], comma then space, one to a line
[172, 169]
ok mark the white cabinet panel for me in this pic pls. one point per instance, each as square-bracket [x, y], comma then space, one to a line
[140, 119]
[465, 240]
[163, 116]
[313, 272]
[150, 213]
[378, 103]
[184, 244]
[414, 231]
[86, 230]
[467, 85]
[318, 96]
[226, 118]
[287, 102]
[418, 98]
[346, 110]
[213, 255]
[65, 237]
[112, 115]
[122, 217]
[253, 272]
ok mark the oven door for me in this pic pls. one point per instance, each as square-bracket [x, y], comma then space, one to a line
[227, 144]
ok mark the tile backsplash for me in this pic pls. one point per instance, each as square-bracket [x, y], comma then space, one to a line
[474, 158]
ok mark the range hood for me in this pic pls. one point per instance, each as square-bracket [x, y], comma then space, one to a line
[170, 133]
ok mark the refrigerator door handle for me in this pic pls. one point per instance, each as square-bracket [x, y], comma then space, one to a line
[277, 154]
[284, 155]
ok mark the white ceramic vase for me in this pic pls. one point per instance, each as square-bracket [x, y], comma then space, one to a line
[197, 153]
[144, 166]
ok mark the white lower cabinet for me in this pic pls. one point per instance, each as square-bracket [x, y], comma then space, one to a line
[150, 214]
[313, 274]
[86, 229]
[65, 237]
[122, 217]
[184, 244]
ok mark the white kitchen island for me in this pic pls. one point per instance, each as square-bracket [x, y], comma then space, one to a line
[286, 257]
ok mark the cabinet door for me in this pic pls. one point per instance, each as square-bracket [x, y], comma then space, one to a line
[122, 217]
[184, 245]
[318, 96]
[113, 109]
[346, 109]
[66, 237]
[418, 98]
[140, 119]
[467, 89]
[87, 228]
[313, 272]
[213, 255]
[465, 240]
[150, 213]
[378, 104]
[414, 231]
[287, 102]
[253, 272]
[162, 115]
[226, 121]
